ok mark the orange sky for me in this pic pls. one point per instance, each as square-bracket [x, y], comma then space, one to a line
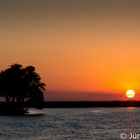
[88, 46]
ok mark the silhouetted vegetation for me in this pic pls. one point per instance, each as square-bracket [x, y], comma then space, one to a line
[21, 87]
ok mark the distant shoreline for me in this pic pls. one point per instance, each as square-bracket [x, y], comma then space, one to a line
[89, 104]
[81, 104]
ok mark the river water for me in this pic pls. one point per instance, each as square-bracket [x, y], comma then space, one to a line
[73, 124]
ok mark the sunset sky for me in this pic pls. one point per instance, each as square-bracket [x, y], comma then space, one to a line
[83, 49]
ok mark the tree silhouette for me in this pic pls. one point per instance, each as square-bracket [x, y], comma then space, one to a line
[20, 84]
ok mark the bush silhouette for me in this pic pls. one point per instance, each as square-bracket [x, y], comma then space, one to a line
[20, 85]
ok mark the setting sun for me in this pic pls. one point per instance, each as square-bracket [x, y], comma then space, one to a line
[130, 93]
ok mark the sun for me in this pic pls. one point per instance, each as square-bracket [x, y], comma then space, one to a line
[130, 93]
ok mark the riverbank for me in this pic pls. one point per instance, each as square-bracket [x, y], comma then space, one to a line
[87, 104]
[74, 104]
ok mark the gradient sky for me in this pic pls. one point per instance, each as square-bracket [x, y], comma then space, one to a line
[80, 47]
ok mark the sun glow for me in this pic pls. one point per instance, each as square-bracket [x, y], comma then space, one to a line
[130, 93]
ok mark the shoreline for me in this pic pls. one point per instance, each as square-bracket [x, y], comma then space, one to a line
[79, 104]
[89, 104]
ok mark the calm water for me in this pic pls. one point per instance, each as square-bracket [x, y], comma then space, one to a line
[72, 124]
